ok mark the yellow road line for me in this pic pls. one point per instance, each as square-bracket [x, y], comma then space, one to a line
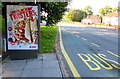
[71, 65]
[113, 53]
[95, 44]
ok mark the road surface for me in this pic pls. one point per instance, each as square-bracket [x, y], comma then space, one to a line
[89, 52]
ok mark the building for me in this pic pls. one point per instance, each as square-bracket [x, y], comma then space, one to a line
[93, 19]
[111, 19]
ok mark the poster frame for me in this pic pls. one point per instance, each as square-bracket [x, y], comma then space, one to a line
[23, 54]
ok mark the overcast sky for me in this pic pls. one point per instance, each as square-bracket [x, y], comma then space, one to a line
[95, 4]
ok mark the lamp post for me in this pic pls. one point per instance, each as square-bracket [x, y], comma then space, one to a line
[35, 1]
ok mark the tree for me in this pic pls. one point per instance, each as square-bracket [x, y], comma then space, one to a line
[104, 11]
[75, 14]
[88, 10]
[54, 10]
[115, 9]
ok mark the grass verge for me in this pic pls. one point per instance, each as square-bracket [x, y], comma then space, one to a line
[47, 38]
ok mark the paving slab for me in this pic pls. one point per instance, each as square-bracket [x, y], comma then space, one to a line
[40, 57]
[31, 73]
[51, 72]
[14, 65]
[46, 65]
[50, 64]
[49, 56]
[33, 65]
[12, 73]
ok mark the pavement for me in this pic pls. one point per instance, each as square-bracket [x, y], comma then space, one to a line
[89, 52]
[100, 26]
[91, 25]
[46, 65]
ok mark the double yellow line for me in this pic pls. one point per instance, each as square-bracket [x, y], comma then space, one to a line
[69, 62]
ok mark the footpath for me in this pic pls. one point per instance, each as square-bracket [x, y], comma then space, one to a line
[110, 28]
[46, 65]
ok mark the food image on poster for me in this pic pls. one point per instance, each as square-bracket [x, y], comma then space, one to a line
[22, 29]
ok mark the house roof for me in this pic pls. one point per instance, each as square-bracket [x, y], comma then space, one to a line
[113, 14]
[92, 17]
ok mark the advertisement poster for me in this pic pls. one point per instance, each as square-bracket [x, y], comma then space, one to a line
[22, 29]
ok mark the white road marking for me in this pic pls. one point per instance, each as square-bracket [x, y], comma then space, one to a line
[77, 35]
[95, 44]
[83, 39]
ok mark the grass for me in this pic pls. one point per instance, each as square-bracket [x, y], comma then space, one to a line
[47, 38]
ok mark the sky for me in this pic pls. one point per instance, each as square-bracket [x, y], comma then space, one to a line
[96, 5]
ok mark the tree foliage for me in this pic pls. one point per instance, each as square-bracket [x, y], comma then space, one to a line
[54, 10]
[104, 11]
[75, 14]
[115, 9]
[88, 10]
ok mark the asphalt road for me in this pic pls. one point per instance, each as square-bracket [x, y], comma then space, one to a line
[89, 52]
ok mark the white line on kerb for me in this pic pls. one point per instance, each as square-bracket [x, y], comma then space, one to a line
[83, 39]
[95, 44]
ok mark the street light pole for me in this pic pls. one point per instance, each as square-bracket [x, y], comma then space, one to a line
[35, 1]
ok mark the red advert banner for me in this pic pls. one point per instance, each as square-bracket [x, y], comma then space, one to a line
[22, 13]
